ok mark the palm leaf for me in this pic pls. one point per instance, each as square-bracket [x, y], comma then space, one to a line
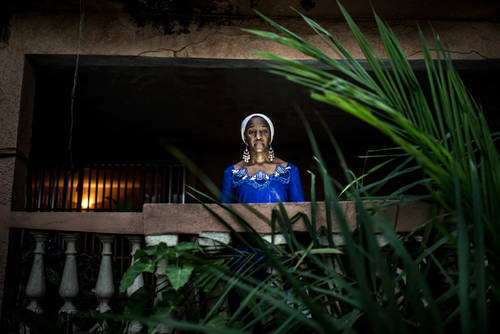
[447, 136]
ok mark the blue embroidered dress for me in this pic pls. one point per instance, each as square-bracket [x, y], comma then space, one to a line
[283, 183]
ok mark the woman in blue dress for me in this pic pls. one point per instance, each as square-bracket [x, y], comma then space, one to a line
[260, 177]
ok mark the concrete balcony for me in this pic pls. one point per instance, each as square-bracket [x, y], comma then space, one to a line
[166, 223]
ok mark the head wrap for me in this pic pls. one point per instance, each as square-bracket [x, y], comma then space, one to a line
[249, 117]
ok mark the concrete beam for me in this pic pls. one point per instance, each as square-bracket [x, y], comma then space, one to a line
[196, 218]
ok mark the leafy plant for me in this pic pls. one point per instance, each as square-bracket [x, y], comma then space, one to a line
[447, 136]
[178, 272]
[181, 281]
[441, 277]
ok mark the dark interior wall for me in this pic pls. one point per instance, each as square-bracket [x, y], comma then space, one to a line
[125, 110]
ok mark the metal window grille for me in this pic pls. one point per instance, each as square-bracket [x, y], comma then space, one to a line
[104, 187]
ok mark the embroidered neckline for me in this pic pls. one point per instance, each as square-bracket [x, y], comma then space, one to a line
[243, 172]
[261, 180]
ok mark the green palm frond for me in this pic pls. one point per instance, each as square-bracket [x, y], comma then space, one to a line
[311, 286]
[447, 135]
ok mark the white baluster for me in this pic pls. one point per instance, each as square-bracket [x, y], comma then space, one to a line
[104, 288]
[139, 280]
[278, 240]
[35, 288]
[338, 241]
[68, 289]
[135, 326]
[212, 243]
[170, 240]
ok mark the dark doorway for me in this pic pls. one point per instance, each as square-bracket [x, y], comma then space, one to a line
[127, 108]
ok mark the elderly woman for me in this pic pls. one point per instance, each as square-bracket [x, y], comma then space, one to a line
[260, 177]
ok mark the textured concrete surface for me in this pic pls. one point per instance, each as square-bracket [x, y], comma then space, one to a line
[98, 222]
[158, 219]
[4, 246]
[194, 218]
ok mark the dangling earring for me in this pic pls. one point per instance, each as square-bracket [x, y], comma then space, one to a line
[270, 153]
[246, 155]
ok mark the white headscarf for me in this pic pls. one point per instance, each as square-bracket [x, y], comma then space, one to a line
[249, 117]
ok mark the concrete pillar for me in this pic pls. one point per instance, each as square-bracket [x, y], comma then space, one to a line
[17, 91]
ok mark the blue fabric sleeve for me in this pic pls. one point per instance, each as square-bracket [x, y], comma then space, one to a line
[295, 192]
[227, 189]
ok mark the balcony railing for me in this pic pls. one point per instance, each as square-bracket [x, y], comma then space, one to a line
[103, 187]
[158, 223]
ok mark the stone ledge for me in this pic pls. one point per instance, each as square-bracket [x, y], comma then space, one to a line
[195, 218]
[98, 222]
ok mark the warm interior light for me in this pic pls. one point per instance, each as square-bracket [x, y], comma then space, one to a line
[101, 194]
[86, 204]
[99, 188]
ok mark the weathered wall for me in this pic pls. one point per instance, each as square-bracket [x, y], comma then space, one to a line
[115, 34]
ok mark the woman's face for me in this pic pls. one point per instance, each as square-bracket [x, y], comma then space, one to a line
[257, 135]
